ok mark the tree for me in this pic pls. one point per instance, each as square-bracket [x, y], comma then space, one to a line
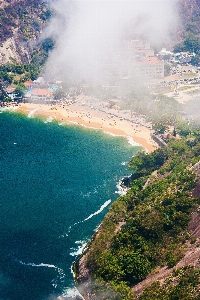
[195, 60]
[191, 43]
[179, 47]
[135, 266]
[184, 129]
[159, 127]
[48, 44]
[19, 69]
[7, 99]
[59, 94]
[20, 90]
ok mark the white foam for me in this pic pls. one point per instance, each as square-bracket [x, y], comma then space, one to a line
[37, 265]
[123, 163]
[61, 275]
[48, 120]
[131, 141]
[98, 211]
[31, 113]
[112, 134]
[121, 190]
[71, 292]
[79, 250]
[90, 216]
[73, 122]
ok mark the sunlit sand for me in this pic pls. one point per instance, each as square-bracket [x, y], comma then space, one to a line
[97, 117]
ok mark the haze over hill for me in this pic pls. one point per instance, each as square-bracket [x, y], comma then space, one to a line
[88, 34]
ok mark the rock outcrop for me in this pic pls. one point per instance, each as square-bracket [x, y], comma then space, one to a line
[21, 24]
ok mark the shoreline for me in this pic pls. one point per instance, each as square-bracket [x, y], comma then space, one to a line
[91, 118]
[93, 114]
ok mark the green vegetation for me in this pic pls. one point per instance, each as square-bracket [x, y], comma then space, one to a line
[20, 90]
[147, 227]
[159, 127]
[191, 43]
[191, 39]
[16, 73]
[59, 94]
[183, 284]
[28, 17]
[159, 109]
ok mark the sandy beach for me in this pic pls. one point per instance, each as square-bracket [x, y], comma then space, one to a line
[92, 113]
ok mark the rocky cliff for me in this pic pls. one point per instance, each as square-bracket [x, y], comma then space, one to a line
[21, 23]
[147, 247]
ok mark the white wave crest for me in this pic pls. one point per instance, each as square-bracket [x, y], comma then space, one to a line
[77, 251]
[90, 216]
[121, 190]
[72, 293]
[112, 134]
[73, 122]
[31, 113]
[61, 273]
[98, 211]
[37, 265]
[131, 141]
[48, 120]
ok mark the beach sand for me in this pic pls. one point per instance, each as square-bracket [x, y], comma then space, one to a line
[94, 114]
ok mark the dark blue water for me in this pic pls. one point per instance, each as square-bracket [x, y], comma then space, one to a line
[56, 185]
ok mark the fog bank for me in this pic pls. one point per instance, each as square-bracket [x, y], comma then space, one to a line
[88, 34]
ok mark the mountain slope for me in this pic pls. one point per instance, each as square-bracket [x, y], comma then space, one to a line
[21, 23]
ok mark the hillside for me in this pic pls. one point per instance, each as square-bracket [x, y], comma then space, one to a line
[21, 23]
[188, 37]
[148, 246]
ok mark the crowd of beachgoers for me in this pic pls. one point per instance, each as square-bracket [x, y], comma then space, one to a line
[93, 113]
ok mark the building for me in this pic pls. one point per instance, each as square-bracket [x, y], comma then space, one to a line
[28, 84]
[10, 92]
[148, 68]
[39, 95]
[135, 59]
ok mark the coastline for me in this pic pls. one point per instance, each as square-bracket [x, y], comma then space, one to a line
[94, 118]
[89, 115]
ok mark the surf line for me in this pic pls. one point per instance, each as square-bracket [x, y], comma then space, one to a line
[60, 271]
[37, 265]
[90, 216]
[31, 113]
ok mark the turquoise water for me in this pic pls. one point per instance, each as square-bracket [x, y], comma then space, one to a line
[56, 184]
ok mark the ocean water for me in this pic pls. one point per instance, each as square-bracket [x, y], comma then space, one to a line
[56, 185]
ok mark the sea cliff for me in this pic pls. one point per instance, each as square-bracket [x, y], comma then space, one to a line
[148, 244]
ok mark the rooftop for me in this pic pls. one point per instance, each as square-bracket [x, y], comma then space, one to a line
[42, 92]
[151, 60]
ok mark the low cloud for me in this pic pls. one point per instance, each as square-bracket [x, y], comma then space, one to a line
[89, 33]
